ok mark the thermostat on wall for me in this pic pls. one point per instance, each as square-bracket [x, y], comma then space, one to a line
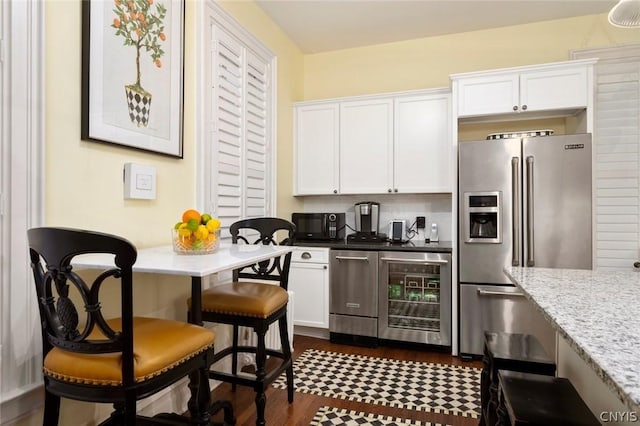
[139, 182]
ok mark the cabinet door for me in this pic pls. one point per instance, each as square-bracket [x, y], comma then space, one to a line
[310, 284]
[422, 144]
[366, 146]
[316, 149]
[485, 95]
[560, 88]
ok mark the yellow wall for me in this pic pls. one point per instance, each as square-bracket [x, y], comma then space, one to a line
[427, 62]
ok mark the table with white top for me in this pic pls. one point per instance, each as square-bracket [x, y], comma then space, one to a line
[163, 260]
[596, 313]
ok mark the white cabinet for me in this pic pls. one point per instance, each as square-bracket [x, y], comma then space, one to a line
[309, 281]
[316, 149]
[400, 142]
[422, 152]
[557, 86]
[366, 146]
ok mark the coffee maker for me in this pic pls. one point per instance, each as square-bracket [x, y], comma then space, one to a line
[367, 223]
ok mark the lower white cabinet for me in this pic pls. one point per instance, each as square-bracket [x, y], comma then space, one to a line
[309, 281]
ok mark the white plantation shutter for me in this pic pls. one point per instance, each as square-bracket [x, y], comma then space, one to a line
[241, 113]
[256, 137]
[228, 129]
[617, 164]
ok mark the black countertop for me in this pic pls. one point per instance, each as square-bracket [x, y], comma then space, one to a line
[419, 246]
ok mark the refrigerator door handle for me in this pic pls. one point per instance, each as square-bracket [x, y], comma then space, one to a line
[530, 222]
[515, 211]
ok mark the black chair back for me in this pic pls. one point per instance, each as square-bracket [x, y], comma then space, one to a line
[52, 251]
[276, 269]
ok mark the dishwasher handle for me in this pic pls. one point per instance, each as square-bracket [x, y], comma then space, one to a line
[361, 258]
[482, 292]
[421, 261]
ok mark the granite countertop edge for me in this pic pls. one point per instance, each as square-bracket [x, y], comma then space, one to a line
[584, 354]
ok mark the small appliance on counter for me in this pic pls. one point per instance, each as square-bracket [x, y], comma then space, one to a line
[319, 226]
[397, 231]
[367, 223]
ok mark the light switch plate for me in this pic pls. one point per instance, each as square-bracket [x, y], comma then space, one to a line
[139, 182]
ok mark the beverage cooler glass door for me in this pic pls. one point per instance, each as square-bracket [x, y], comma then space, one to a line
[415, 297]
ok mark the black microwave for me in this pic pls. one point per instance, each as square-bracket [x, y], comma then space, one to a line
[319, 226]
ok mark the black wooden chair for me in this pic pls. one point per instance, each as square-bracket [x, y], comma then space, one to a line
[120, 360]
[255, 305]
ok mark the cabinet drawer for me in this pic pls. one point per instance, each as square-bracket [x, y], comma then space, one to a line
[310, 255]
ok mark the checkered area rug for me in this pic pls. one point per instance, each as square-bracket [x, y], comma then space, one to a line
[329, 416]
[422, 386]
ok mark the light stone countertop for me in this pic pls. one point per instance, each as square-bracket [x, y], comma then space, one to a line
[597, 312]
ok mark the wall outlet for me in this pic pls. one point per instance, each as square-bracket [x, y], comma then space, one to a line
[420, 222]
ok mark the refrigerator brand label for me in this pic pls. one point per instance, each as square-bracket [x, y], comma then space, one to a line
[574, 146]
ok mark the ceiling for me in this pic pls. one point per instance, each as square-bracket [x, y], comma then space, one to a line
[324, 25]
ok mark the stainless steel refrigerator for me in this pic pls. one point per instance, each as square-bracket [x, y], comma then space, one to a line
[522, 202]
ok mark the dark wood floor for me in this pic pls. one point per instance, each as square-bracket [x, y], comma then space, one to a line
[304, 406]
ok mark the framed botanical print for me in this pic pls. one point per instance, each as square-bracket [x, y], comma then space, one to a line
[132, 73]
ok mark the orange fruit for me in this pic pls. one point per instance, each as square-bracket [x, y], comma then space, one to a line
[190, 214]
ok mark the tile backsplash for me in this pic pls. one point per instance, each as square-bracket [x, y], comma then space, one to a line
[435, 207]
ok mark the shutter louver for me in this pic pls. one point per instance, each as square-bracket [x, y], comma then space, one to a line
[617, 165]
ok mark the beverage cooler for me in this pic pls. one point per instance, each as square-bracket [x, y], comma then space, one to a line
[415, 297]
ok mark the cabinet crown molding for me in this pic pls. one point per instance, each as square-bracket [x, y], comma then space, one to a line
[418, 92]
[525, 68]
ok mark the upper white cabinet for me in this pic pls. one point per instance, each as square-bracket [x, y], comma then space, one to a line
[395, 143]
[548, 87]
[316, 131]
[422, 143]
[366, 146]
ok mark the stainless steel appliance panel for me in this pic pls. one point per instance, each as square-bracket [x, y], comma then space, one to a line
[499, 308]
[353, 325]
[489, 166]
[415, 297]
[353, 283]
[557, 201]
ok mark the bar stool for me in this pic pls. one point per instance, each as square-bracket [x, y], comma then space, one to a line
[508, 351]
[537, 400]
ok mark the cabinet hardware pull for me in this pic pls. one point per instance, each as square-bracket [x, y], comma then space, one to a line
[524, 107]
[530, 225]
[636, 265]
[498, 293]
[305, 255]
[425, 261]
[365, 259]
[335, 191]
[515, 211]
[389, 190]
[515, 107]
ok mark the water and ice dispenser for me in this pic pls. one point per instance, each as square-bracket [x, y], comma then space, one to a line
[482, 211]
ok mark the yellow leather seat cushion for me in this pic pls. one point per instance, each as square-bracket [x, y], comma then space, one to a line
[244, 298]
[158, 346]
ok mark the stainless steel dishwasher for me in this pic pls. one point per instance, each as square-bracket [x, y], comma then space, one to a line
[353, 296]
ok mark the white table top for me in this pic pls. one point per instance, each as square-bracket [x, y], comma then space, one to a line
[163, 260]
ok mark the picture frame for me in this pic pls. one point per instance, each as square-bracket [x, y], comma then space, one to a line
[133, 74]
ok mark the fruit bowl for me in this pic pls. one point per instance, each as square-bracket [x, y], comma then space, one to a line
[196, 233]
[191, 244]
